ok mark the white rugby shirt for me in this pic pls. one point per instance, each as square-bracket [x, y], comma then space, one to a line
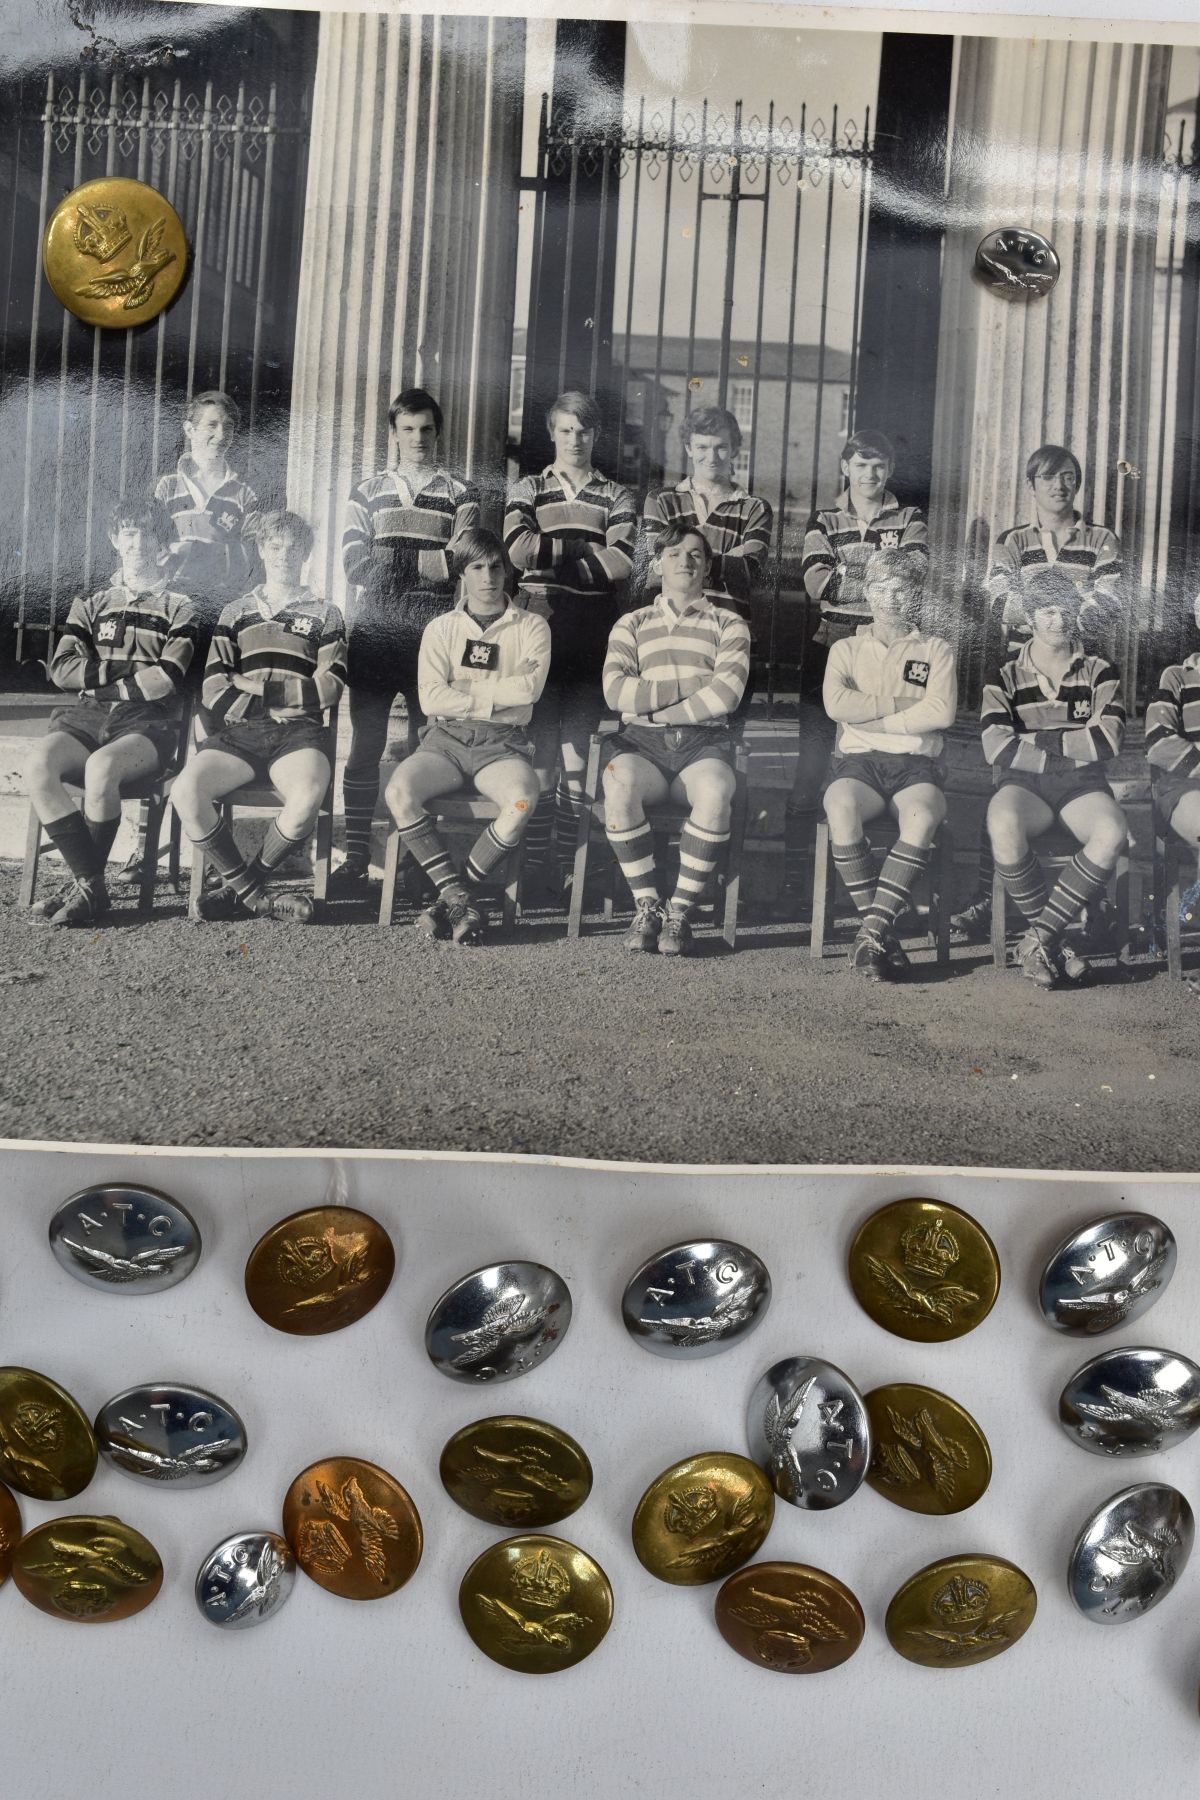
[863, 671]
[466, 670]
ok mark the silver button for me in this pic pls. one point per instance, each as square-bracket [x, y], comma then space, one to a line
[696, 1299]
[808, 1428]
[1132, 1401]
[176, 1435]
[497, 1323]
[245, 1579]
[1130, 1553]
[1107, 1272]
[1018, 263]
[130, 1238]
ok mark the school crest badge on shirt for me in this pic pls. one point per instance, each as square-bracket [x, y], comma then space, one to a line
[1081, 708]
[108, 630]
[479, 654]
[917, 672]
[889, 539]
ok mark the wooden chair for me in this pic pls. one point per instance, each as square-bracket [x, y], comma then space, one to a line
[824, 891]
[666, 821]
[1054, 850]
[1176, 867]
[461, 809]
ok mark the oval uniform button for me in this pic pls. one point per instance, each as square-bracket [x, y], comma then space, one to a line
[245, 1579]
[703, 1517]
[1017, 263]
[536, 1604]
[1130, 1553]
[353, 1529]
[696, 1299]
[319, 1270]
[1132, 1402]
[808, 1428]
[130, 1240]
[10, 1532]
[929, 1455]
[960, 1610]
[1106, 1273]
[94, 1570]
[498, 1322]
[115, 252]
[790, 1617]
[924, 1270]
[47, 1446]
[515, 1472]
[182, 1437]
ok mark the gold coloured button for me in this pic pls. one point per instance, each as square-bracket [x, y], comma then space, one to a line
[961, 1610]
[536, 1603]
[115, 252]
[47, 1447]
[515, 1472]
[924, 1270]
[352, 1528]
[703, 1517]
[10, 1532]
[92, 1569]
[790, 1617]
[319, 1270]
[929, 1454]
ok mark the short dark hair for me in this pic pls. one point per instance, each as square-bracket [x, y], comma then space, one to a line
[581, 406]
[868, 443]
[896, 565]
[415, 400]
[675, 534]
[1051, 587]
[474, 545]
[1048, 459]
[710, 421]
[142, 509]
[281, 523]
[223, 402]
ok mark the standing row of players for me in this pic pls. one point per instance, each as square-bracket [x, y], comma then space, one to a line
[510, 693]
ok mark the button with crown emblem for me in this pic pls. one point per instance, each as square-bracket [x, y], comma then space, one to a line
[319, 1270]
[353, 1529]
[518, 1473]
[1130, 1553]
[961, 1610]
[10, 1532]
[536, 1604]
[929, 1454]
[115, 252]
[790, 1617]
[924, 1270]
[702, 1518]
[1107, 1272]
[1131, 1401]
[129, 1240]
[808, 1428]
[47, 1446]
[499, 1322]
[696, 1299]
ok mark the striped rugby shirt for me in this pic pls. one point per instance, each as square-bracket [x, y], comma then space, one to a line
[126, 644]
[1083, 716]
[454, 679]
[838, 545]
[737, 527]
[669, 667]
[544, 510]
[1173, 720]
[1089, 554]
[401, 531]
[297, 652]
[213, 531]
[865, 677]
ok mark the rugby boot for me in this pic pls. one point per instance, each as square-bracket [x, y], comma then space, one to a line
[974, 922]
[130, 871]
[675, 934]
[42, 911]
[897, 955]
[83, 903]
[222, 902]
[869, 956]
[350, 880]
[1041, 963]
[647, 923]
[466, 921]
[284, 904]
[434, 922]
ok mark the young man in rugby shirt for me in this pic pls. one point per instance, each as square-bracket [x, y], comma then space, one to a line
[675, 671]
[1052, 718]
[276, 663]
[736, 523]
[1059, 537]
[212, 512]
[569, 532]
[481, 670]
[402, 528]
[124, 652]
[1173, 752]
[892, 691]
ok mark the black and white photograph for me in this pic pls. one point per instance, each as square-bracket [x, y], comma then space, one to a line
[622, 590]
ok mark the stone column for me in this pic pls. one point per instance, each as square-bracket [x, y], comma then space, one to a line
[408, 263]
[1064, 138]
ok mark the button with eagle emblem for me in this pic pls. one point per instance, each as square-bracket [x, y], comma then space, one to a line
[319, 1270]
[10, 1532]
[180, 1436]
[1132, 1401]
[959, 1611]
[1106, 1273]
[929, 1455]
[1130, 1552]
[1017, 263]
[514, 1472]
[47, 1447]
[924, 1270]
[352, 1528]
[115, 252]
[696, 1299]
[790, 1617]
[536, 1604]
[130, 1240]
[808, 1428]
[93, 1570]
[245, 1579]
[499, 1322]
[702, 1518]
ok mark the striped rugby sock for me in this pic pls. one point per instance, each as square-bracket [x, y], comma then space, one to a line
[902, 869]
[856, 866]
[359, 795]
[423, 844]
[1080, 882]
[568, 804]
[634, 850]
[699, 853]
[220, 847]
[1024, 884]
[76, 845]
[486, 855]
[539, 833]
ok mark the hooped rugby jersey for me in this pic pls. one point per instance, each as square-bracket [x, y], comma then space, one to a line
[838, 546]
[668, 667]
[214, 532]
[737, 527]
[466, 670]
[566, 541]
[126, 644]
[864, 673]
[1173, 720]
[297, 651]
[401, 532]
[1027, 720]
[1089, 554]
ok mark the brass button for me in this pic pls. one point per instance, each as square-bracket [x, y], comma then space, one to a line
[352, 1528]
[115, 252]
[10, 1532]
[961, 1610]
[790, 1617]
[519, 1473]
[703, 1517]
[924, 1270]
[47, 1447]
[95, 1570]
[319, 1270]
[536, 1604]
[929, 1454]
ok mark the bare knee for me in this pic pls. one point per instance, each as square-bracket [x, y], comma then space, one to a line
[1107, 842]
[1007, 835]
[398, 796]
[298, 814]
[101, 786]
[622, 803]
[711, 803]
[845, 820]
[918, 824]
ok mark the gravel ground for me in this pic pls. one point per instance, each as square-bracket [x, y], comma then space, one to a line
[341, 1035]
